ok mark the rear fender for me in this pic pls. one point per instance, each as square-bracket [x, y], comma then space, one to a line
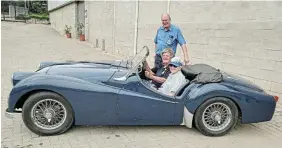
[202, 92]
[250, 103]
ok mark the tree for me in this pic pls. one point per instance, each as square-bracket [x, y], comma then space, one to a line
[37, 7]
[4, 8]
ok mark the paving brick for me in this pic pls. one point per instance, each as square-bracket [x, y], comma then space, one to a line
[7, 144]
[65, 145]
[45, 143]
[17, 143]
[93, 145]
[55, 140]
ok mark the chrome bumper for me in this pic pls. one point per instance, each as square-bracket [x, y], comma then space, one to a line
[9, 114]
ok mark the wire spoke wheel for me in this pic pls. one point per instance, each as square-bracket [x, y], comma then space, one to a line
[48, 114]
[216, 116]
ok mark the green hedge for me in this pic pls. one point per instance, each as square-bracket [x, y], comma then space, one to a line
[22, 17]
[40, 16]
[33, 16]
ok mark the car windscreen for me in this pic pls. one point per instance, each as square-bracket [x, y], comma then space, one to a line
[138, 58]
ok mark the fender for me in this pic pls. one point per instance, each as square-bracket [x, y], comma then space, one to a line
[248, 101]
[202, 92]
[103, 98]
[63, 85]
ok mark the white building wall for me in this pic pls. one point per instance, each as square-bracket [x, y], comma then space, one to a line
[64, 16]
[243, 38]
[56, 3]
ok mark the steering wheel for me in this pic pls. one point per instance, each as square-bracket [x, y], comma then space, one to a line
[141, 67]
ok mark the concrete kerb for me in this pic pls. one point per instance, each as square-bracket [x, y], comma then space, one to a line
[16, 21]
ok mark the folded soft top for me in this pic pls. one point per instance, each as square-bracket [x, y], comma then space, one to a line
[202, 73]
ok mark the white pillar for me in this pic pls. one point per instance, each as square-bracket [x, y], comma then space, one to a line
[114, 29]
[136, 27]
[168, 6]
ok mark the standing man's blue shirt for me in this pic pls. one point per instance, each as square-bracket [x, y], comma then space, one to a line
[168, 38]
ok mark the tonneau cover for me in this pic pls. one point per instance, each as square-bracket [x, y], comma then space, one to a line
[202, 73]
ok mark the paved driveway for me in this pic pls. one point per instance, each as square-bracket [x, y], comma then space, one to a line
[24, 46]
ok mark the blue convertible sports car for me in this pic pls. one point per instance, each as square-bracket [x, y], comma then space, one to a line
[59, 95]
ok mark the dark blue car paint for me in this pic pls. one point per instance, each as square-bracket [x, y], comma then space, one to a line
[18, 76]
[88, 74]
[251, 103]
[92, 103]
[138, 104]
[98, 99]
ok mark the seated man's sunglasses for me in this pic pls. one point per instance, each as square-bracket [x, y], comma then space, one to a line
[172, 65]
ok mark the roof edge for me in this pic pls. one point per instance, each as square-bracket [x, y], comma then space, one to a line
[63, 5]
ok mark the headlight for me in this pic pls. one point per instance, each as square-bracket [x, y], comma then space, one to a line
[38, 66]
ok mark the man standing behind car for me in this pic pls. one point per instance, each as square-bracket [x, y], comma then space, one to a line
[168, 36]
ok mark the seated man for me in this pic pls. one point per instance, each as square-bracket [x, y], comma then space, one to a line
[175, 79]
[159, 76]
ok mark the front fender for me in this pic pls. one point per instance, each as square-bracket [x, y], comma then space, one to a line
[67, 87]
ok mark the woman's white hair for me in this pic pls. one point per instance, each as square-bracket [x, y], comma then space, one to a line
[168, 50]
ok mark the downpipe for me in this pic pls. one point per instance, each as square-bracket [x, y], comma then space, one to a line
[136, 26]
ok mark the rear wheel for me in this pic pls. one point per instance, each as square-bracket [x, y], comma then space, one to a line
[47, 113]
[216, 116]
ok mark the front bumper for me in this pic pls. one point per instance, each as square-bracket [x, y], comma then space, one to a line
[9, 114]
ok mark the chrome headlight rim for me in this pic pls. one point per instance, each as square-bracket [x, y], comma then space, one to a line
[12, 79]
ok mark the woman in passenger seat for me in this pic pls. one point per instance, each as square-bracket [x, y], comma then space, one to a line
[175, 79]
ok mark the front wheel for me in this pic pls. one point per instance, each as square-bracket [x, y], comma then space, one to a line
[216, 116]
[47, 113]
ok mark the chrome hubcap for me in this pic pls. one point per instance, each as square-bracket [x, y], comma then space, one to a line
[48, 114]
[217, 116]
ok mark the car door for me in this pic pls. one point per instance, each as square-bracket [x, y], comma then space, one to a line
[139, 105]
